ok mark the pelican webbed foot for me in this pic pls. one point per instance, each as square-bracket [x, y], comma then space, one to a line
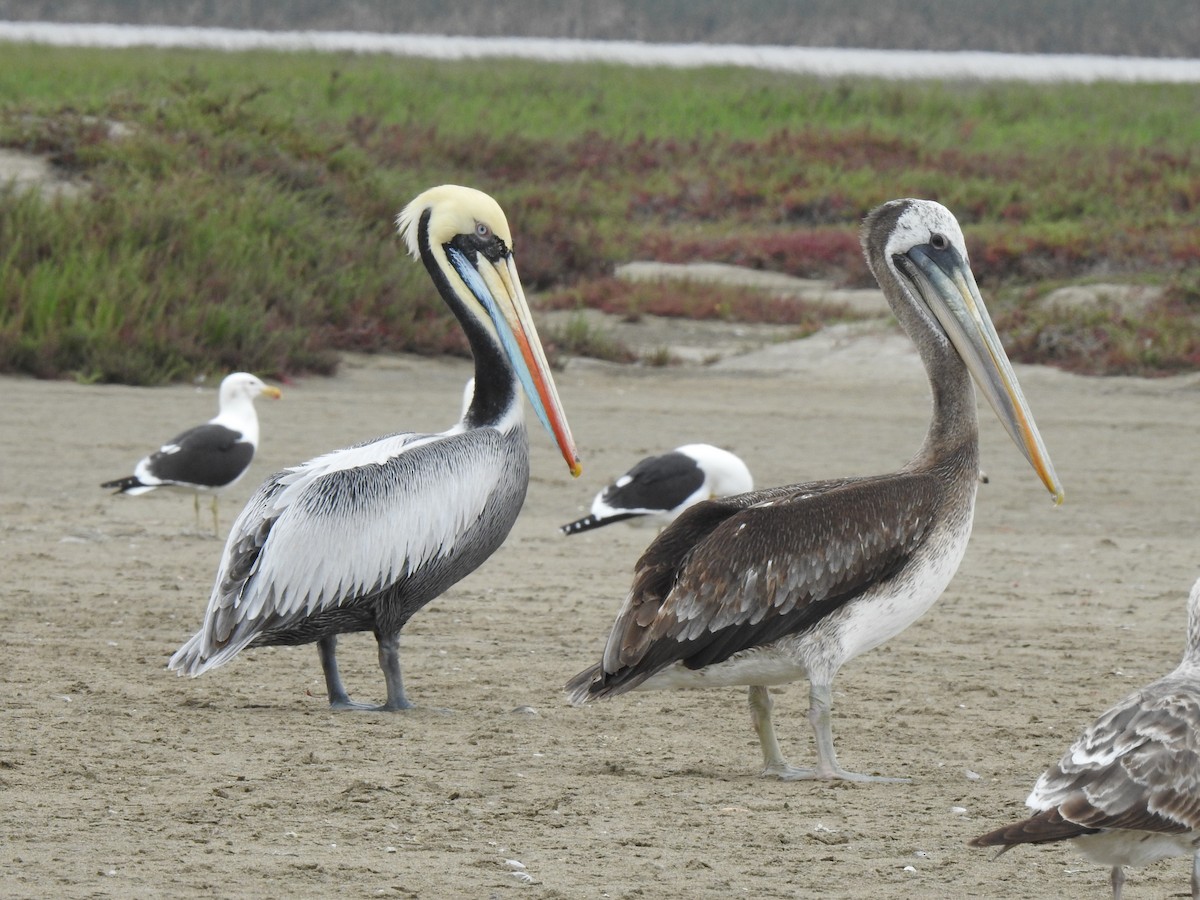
[827, 768]
[345, 704]
[784, 772]
[389, 661]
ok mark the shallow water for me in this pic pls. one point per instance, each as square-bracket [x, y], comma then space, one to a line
[821, 61]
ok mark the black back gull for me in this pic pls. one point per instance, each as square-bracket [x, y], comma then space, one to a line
[659, 488]
[210, 457]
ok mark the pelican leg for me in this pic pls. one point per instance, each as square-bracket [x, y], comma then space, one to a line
[389, 661]
[774, 765]
[338, 698]
[1117, 878]
[819, 716]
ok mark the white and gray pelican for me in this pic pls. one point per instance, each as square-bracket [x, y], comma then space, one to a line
[1127, 792]
[360, 539]
[209, 457]
[792, 582]
[659, 488]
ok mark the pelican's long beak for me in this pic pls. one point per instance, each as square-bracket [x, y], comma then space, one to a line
[273, 392]
[498, 287]
[945, 282]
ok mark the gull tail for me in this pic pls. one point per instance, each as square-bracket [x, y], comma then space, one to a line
[587, 523]
[129, 485]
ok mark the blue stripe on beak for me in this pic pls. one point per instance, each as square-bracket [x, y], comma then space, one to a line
[470, 275]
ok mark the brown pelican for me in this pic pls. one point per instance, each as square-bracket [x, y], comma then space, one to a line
[659, 488]
[209, 457]
[1127, 792]
[360, 539]
[792, 582]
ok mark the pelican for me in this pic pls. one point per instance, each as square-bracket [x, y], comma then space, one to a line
[360, 539]
[659, 488]
[792, 582]
[209, 457]
[1127, 792]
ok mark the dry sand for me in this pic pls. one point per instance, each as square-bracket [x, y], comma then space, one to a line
[120, 779]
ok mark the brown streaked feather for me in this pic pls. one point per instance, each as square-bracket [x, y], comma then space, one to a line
[659, 568]
[1079, 810]
[1044, 828]
[1136, 768]
[724, 579]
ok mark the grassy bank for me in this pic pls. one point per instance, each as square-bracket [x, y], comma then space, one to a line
[240, 216]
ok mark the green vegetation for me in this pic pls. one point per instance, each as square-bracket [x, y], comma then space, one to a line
[580, 338]
[630, 301]
[241, 216]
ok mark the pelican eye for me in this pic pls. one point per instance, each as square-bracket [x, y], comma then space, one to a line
[487, 242]
[938, 241]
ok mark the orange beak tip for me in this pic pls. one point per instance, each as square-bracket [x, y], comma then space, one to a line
[576, 469]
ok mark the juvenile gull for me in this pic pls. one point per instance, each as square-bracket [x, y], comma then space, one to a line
[1127, 792]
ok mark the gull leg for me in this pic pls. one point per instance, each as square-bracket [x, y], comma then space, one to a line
[196, 507]
[1117, 877]
[389, 661]
[820, 717]
[338, 698]
[216, 526]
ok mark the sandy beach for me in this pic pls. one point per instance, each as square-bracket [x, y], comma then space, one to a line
[120, 779]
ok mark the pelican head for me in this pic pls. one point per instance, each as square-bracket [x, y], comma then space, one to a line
[927, 256]
[463, 238]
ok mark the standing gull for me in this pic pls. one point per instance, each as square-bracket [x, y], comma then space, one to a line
[659, 488]
[793, 582]
[1127, 792]
[360, 539]
[209, 457]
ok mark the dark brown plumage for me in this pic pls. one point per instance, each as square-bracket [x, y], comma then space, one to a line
[792, 582]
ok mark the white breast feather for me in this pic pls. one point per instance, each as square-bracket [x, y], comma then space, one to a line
[877, 617]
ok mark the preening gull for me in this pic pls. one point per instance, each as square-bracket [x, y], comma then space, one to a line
[659, 488]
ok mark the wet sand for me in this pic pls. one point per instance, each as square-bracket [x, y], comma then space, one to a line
[120, 779]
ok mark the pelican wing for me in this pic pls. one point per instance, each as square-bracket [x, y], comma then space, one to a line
[728, 576]
[342, 527]
[1136, 767]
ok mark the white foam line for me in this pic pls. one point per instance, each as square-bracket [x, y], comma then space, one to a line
[826, 62]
